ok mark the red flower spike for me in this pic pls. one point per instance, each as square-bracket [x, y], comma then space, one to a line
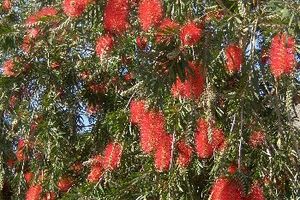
[74, 8]
[37, 16]
[232, 169]
[141, 42]
[34, 192]
[256, 193]
[150, 13]
[204, 148]
[184, 153]
[8, 68]
[282, 55]
[64, 184]
[137, 110]
[115, 19]
[104, 45]
[257, 138]
[6, 5]
[190, 34]
[163, 34]
[227, 189]
[192, 87]
[152, 127]
[163, 153]
[28, 177]
[95, 173]
[112, 156]
[234, 58]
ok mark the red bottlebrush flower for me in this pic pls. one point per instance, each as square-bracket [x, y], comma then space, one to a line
[8, 68]
[28, 177]
[112, 156]
[163, 153]
[6, 5]
[165, 29]
[137, 110]
[282, 55]
[37, 16]
[234, 58]
[141, 42]
[115, 19]
[232, 169]
[204, 148]
[192, 87]
[190, 34]
[95, 173]
[256, 193]
[33, 32]
[64, 184]
[184, 154]
[128, 76]
[257, 138]
[77, 167]
[227, 189]
[34, 192]
[150, 13]
[20, 154]
[12, 101]
[27, 44]
[152, 127]
[74, 8]
[104, 45]
[49, 196]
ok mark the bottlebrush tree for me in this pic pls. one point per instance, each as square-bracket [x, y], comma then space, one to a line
[149, 99]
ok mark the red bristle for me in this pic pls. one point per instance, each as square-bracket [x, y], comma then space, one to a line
[256, 193]
[163, 152]
[137, 110]
[234, 58]
[34, 192]
[8, 68]
[95, 173]
[190, 34]
[104, 45]
[115, 19]
[74, 8]
[150, 13]
[227, 189]
[282, 55]
[6, 5]
[64, 184]
[28, 177]
[203, 148]
[112, 156]
[184, 153]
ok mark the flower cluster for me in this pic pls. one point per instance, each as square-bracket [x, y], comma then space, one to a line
[34, 192]
[184, 153]
[104, 45]
[234, 58]
[190, 34]
[204, 147]
[74, 8]
[227, 189]
[150, 13]
[282, 55]
[109, 161]
[153, 136]
[193, 86]
[115, 19]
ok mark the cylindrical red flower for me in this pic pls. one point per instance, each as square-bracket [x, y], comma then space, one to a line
[64, 184]
[204, 147]
[190, 34]
[8, 68]
[227, 189]
[257, 138]
[163, 153]
[104, 44]
[6, 5]
[112, 156]
[74, 8]
[234, 58]
[282, 55]
[193, 86]
[40, 14]
[95, 173]
[137, 110]
[115, 19]
[152, 127]
[34, 192]
[184, 153]
[28, 176]
[150, 13]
